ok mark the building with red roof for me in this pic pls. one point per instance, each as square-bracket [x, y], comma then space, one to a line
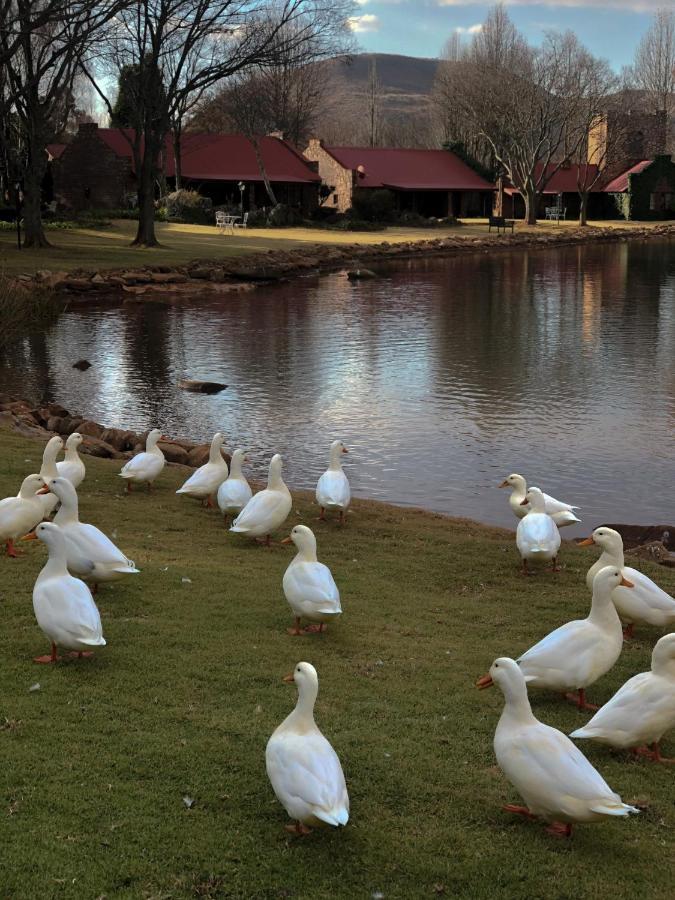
[429, 182]
[97, 169]
[638, 190]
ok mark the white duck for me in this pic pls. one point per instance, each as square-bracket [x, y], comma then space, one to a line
[208, 478]
[303, 767]
[553, 777]
[64, 607]
[48, 471]
[578, 653]
[646, 603]
[89, 553]
[267, 509]
[72, 467]
[145, 467]
[642, 710]
[309, 585]
[332, 489]
[561, 513]
[235, 492]
[537, 535]
[21, 513]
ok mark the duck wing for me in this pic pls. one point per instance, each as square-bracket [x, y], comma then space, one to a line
[312, 582]
[69, 603]
[569, 648]
[306, 767]
[262, 506]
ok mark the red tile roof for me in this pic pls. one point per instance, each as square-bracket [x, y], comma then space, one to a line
[55, 150]
[225, 157]
[620, 184]
[409, 170]
[565, 180]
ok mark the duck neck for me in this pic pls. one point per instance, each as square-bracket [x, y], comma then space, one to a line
[55, 565]
[603, 612]
[305, 554]
[303, 714]
[517, 707]
[72, 455]
[335, 462]
[48, 468]
[235, 467]
[519, 492]
[610, 558]
[215, 456]
[274, 480]
[68, 513]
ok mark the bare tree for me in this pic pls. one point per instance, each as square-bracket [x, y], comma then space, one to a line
[654, 66]
[374, 98]
[182, 47]
[41, 45]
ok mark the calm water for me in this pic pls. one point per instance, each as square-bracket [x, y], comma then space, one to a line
[442, 377]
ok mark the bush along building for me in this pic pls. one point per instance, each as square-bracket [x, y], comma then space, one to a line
[430, 183]
[96, 170]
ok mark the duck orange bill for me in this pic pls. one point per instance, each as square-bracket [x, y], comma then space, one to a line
[43, 490]
[626, 583]
[524, 502]
[484, 682]
[504, 484]
[587, 542]
[31, 536]
[288, 679]
[344, 450]
[287, 540]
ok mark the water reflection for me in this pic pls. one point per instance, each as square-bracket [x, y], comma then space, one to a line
[443, 376]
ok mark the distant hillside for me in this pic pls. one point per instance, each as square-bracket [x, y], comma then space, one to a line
[404, 99]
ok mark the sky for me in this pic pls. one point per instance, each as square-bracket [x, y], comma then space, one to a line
[609, 28]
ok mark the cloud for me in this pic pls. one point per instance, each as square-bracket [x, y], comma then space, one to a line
[472, 29]
[638, 6]
[367, 22]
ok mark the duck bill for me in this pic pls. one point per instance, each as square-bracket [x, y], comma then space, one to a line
[626, 583]
[344, 450]
[288, 679]
[587, 542]
[484, 682]
[524, 502]
[286, 540]
[503, 484]
[31, 536]
[43, 490]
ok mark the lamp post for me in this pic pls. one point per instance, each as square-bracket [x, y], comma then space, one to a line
[18, 200]
[242, 188]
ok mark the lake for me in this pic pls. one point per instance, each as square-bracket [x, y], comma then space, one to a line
[441, 376]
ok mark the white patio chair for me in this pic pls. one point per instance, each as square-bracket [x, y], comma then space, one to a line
[243, 223]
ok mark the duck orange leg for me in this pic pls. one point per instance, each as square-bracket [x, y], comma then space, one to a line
[519, 810]
[128, 487]
[628, 631]
[11, 549]
[52, 658]
[322, 514]
[525, 570]
[580, 700]
[654, 754]
[554, 565]
[297, 629]
[299, 829]
[80, 654]
[560, 829]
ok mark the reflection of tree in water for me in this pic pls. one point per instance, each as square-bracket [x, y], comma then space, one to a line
[147, 354]
[25, 369]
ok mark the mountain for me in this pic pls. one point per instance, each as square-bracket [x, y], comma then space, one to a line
[403, 92]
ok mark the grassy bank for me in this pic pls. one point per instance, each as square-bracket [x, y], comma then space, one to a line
[109, 248]
[96, 763]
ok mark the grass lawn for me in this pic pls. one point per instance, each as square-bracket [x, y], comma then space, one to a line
[96, 763]
[109, 248]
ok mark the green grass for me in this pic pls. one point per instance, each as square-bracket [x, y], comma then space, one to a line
[94, 248]
[184, 697]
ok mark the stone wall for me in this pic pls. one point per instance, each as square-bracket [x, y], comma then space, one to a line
[91, 175]
[334, 175]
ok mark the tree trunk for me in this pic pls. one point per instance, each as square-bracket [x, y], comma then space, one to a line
[583, 208]
[263, 172]
[145, 234]
[530, 198]
[32, 188]
[177, 160]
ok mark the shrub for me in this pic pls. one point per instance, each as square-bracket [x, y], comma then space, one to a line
[26, 307]
[281, 215]
[257, 218]
[373, 205]
[189, 206]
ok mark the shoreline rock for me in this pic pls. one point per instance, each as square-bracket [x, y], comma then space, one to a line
[244, 273]
[44, 421]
